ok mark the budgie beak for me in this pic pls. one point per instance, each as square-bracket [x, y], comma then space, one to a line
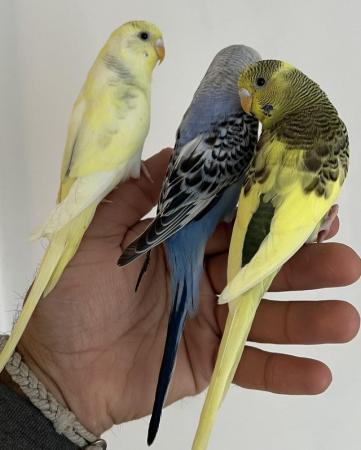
[159, 48]
[246, 100]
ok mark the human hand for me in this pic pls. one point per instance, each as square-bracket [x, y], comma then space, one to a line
[97, 345]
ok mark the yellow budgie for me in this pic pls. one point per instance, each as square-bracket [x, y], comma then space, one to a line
[107, 129]
[287, 199]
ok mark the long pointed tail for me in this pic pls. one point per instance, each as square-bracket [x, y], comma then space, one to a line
[48, 265]
[238, 325]
[60, 251]
[174, 333]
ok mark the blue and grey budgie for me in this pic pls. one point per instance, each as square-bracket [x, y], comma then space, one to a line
[214, 145]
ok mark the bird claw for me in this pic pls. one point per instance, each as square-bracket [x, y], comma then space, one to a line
[144, 170]
[326, 223]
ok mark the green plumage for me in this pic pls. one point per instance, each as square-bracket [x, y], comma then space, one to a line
[257, 230]
[306, 122]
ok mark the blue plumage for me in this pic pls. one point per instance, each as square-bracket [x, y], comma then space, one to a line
[215, 143]
[185, 253]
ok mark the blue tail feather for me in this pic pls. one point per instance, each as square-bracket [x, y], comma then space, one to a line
[174, 333]
[185, 254]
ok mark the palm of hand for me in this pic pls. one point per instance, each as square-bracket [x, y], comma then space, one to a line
[98, 345]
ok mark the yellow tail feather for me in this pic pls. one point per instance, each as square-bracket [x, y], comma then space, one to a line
[60, 251]
[239, 321]
[50, 260]
[76, 231]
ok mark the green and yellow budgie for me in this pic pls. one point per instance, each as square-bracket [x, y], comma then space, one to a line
[107, 129]
[286, 200]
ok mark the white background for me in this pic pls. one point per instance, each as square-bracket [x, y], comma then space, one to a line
[46, 48]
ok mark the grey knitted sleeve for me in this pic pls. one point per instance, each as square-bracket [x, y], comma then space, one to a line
[23, 427]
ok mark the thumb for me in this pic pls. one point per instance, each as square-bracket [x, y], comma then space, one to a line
[131, 200]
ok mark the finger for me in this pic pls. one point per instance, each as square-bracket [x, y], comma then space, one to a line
[305, 322]
[314, 266]
[301, 322]
[318, 266]
[130, 201]
[281, 374]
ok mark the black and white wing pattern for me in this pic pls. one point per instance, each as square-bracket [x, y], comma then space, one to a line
[197, 174]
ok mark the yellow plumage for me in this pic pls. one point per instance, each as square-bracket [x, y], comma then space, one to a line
[295, 177]
[106, 133]
[289, 230]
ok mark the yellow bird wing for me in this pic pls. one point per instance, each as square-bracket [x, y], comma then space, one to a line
[297, 214]
[290, 229]
[75, 122]
[108, 127]
[107, 130]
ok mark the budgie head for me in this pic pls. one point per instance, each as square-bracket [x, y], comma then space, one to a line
[223, 72]
[217, 95]
[139, 43]
[272, 89]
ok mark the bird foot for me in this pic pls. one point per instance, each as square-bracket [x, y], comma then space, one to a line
[326, 223]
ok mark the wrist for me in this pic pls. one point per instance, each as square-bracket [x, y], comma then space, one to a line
[64, 385]
[18, 374]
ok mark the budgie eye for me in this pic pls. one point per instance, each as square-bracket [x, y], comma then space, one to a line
[144, 35]
[260, 82]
